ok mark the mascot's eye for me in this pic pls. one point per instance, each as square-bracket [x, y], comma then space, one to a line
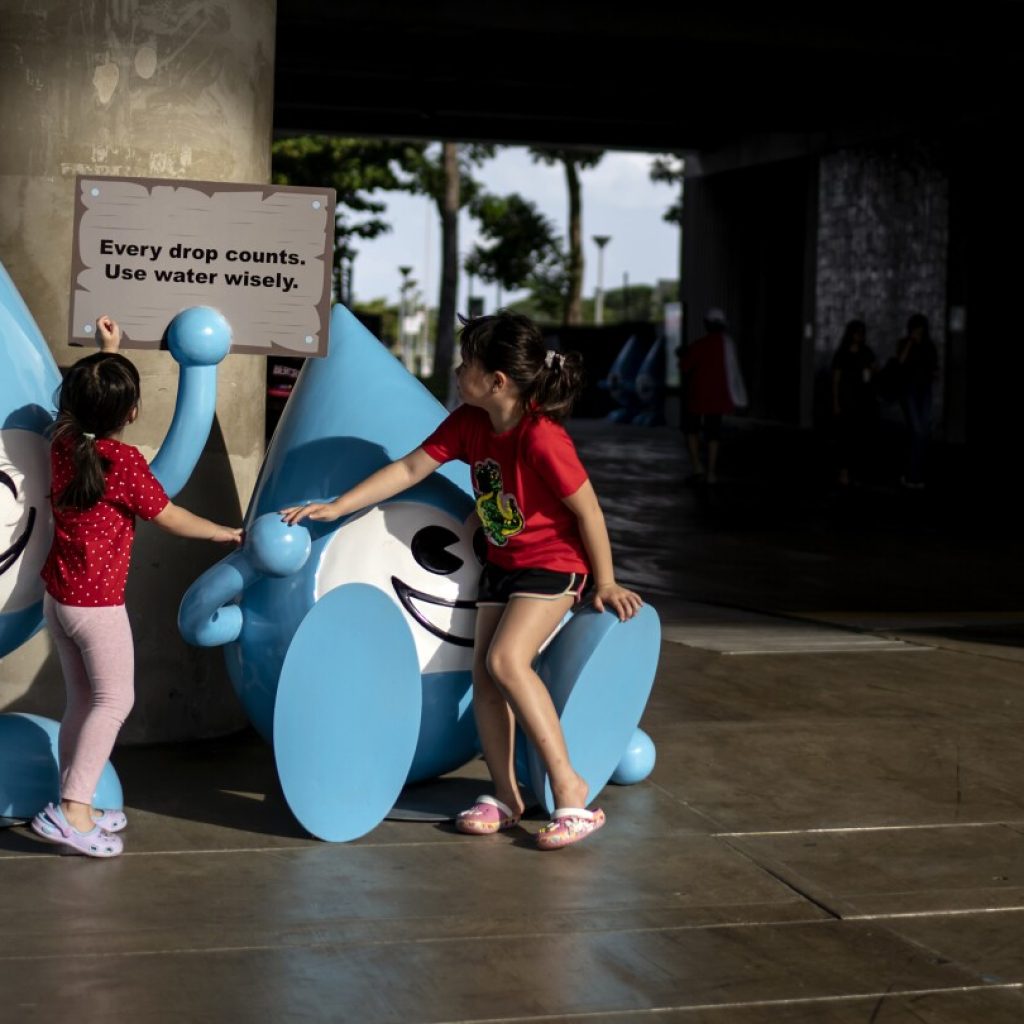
[8, 483]
[480, 545]
[430, 549]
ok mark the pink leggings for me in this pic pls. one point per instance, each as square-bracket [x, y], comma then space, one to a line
[98, 660]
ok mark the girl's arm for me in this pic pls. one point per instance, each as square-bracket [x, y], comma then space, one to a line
[182, 523]
[583, 504]
[392, 479]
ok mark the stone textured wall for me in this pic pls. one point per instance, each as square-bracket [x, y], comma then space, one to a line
[883, 227]
[141, 88]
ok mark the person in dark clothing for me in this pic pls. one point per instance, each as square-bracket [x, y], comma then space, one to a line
[919, 363]
[853, 400]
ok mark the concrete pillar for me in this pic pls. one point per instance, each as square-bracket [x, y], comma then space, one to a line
[150, 89]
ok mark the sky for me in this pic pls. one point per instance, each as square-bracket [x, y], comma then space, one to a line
[619, 200]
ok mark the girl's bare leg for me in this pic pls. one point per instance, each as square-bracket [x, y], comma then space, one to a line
[494, 721]
[524, 626]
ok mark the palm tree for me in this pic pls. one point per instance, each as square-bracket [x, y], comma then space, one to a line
[448, 180]
[573, 160]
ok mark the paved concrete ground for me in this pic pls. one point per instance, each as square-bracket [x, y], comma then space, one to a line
[833, 832]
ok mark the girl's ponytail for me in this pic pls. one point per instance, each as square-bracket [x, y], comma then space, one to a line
[86, 487]
[96, 400]
[559, 382]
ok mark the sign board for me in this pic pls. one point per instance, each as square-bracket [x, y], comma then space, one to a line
[147, 248]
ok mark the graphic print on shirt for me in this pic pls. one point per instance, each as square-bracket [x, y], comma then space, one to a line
[499, 512]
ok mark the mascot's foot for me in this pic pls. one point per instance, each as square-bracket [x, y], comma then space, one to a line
[347, 713]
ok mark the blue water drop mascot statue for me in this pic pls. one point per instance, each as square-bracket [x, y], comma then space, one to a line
[350, 641]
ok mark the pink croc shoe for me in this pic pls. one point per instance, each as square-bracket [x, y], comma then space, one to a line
[51, 825]
[569, 825]
[487, 816]
[110, 821]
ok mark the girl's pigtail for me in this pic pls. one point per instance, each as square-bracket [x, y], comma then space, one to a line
[559, 384]
[86, 487]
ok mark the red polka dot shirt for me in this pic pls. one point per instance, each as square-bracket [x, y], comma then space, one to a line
[92, 548]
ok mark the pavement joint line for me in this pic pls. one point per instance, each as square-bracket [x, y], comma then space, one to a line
[906, 649]
[779, 875]
[840, 829]
[429, 940]
[311, 845]
[892, 994]
[433, 940]
[679, 800]
[960, 912]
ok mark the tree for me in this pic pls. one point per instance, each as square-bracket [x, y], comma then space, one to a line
[573, 161]
[355, 169]
[447, 178]
[525, 251]
[521, 238]
[669, 169]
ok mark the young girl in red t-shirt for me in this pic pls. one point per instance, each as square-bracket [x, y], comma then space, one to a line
[547, 537]
[99, 486]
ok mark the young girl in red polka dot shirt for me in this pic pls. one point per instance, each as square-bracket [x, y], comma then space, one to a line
[99, 486]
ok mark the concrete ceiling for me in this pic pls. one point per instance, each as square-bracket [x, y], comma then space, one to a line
[642, 74]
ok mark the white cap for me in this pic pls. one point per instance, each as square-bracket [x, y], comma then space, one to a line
[715, 316]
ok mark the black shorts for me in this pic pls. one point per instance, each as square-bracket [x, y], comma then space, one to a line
[711, 422]
[498, 585]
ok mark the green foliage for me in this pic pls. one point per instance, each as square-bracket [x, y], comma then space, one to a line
[427, 171]
[582, 159]
[549, 284]
[669, 169]
[522, 239]
[630, 303]
[355, 169]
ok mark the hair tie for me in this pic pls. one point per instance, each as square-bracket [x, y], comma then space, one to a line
[86, 434]
[553, 358]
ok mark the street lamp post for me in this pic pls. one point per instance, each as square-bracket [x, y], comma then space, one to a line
[402, 340]
[600, 241]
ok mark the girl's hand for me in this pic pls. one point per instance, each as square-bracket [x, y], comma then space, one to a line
[109, 333]
[611, 597]
[227, 535]
[319, 511]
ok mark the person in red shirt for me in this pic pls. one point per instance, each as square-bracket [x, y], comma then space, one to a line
[546, 538]
[99, 486]
[705, 366]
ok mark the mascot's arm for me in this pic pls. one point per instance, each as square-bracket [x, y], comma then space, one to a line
[388, 481]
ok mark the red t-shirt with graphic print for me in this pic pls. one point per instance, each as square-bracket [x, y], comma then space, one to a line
[92, 548]
[519, 479]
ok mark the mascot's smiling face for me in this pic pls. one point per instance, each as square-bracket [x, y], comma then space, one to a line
[426, 561]
[25, 522]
